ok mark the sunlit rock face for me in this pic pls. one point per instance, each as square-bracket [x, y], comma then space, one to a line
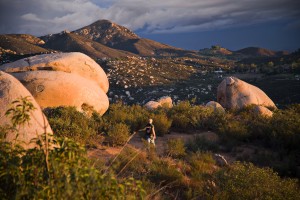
[164, 101]
[233, 93]
[63, 79]
[52, 89]
[11, 90]
[73, 63]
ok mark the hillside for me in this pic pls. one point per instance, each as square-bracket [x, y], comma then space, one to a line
[259, 52]
[21, 44]
[119, 37]
[70, 42]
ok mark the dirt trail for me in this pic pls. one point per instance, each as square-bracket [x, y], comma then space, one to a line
[137, 142]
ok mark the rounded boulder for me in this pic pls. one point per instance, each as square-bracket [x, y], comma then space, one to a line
[73, 63]
[233, 93]
[11, 90]
[55, 88]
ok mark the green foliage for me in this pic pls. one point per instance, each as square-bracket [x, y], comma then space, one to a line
[175, 148]
[162, 123]
[68, 122]
[199, 143]
[20, 111]
[118, 134]
[70, 175]
[245, 181]
[133, 116]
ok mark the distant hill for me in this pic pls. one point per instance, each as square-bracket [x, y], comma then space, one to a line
[215, 50]
[21, 44]
[260, 52]
[71, 42]
[119, 37]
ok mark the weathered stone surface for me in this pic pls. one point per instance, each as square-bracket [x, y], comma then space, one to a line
[74, 63]
[260, 110]
[216, 106]
[55, 88]
[235, 93]
[166, 101]
[151, 105]
[162, 102]
[10, 90]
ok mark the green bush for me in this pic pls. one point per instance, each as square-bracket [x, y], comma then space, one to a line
[199, 143]
[245, 181]
[118, 134]
[135, 116]
[162, 124]
[68, 122]
[64, 172]
[175, 148]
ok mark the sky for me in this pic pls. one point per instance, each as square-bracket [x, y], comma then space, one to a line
[188, 24]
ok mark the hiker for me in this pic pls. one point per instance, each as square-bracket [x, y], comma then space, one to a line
[150, 132]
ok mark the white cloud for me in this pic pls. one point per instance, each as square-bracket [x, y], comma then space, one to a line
[49, 16]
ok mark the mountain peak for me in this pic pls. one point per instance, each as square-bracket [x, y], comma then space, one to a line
[106, 32]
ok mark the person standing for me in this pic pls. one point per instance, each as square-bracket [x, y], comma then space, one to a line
[150, 132]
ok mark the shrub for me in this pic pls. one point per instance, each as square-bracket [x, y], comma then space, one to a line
[68, 122]
[175, 148]
[162, 124]
[118, 134]
[245, 181]
[234, 129]
[65, 173]
[134, 116]
[199, 143]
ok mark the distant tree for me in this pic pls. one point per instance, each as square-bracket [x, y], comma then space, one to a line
[215, 47]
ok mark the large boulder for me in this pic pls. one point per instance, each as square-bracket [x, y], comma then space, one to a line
[73, 63]
[235, 93]
[165, 101]
[10, 90]
[54, 88]
[215, 106]
[151, 105]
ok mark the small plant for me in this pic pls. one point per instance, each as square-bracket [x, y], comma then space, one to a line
[20, 111]
[118, 134]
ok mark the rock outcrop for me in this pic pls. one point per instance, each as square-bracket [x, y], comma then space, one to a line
[10, 90]
[233, 93]
[63, 79]
[162, 102]
[216, 106]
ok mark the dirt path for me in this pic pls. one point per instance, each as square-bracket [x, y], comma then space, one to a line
[137, 142]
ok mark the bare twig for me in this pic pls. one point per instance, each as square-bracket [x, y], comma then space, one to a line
[120, 151]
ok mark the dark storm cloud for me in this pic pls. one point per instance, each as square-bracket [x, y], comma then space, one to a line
[158, 16]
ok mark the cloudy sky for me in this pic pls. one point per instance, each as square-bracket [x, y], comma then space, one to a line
[190, 24]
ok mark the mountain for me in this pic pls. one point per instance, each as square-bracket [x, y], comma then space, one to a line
[70, 42]
[119, 37]
[21, 44]
[260, 52]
